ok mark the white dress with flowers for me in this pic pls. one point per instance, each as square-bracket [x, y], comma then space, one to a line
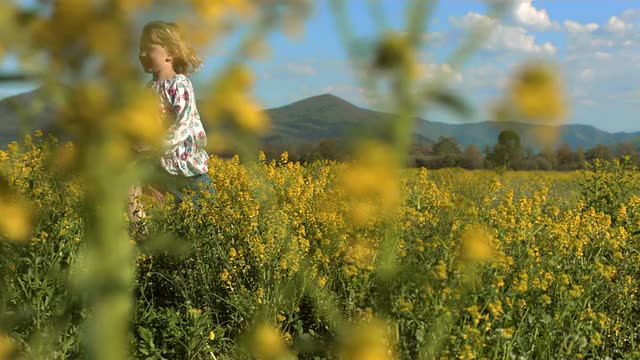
[184, 145]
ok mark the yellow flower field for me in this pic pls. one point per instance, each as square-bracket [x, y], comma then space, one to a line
[285, 260]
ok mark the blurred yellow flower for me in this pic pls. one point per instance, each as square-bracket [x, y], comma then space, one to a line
[212, 335]
[268, 342]
[215, 10]
[477, 243]
[141, 121]
[15, 219]
[230, 95]
[6, 347]
[105, 39]
[247, 114]
[394, 52]
[537, 92]
[368, 340]
[371, 182]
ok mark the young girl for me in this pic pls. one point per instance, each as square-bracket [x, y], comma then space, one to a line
[183, 160]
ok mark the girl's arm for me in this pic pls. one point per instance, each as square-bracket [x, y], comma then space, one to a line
[181, 99]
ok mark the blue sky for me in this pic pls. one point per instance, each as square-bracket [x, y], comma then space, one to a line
[596, 43]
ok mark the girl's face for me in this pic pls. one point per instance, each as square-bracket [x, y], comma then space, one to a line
[153, 57]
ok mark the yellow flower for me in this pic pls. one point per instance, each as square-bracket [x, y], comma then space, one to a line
[268, 343]
[394, 52]
[474, 311]
[495, 308]
[522, 283]
[247, 114]
[476, 243]
[212, 335]
[371, 182]
[350, 270]
[215, 10]
[405, 306]
[498, 282]
[6, 347]
[545, 299]
[507, 333]
[368, 340]
[141, 121]
[15, 219]
[537, 92]
[575, 291]
[225, 275]
[441, 270]
[195, 311]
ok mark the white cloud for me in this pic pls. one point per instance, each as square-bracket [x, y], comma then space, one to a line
[631, 14]
[435, 38]
[574, 27]
[615, 24]
[473, 19]
[602, 55]
[526, 14]
[503, 37]
[516, 38]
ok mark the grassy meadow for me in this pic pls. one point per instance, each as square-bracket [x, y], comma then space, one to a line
[287, 260]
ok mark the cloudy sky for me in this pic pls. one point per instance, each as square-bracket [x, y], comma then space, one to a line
[595, 42]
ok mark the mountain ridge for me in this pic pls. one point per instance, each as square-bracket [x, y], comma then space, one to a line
[327, 116]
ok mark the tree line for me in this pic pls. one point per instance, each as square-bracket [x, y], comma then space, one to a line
[507, 153]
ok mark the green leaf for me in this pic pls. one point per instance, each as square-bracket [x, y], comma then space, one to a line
[145, 334]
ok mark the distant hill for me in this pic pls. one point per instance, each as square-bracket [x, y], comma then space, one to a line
[328, 116]
[24, 113]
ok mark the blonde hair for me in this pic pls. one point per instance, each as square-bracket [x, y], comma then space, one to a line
[169, 36]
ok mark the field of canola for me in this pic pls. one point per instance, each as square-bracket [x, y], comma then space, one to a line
[333, 260]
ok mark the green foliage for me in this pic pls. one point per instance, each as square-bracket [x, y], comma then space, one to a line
[607, 186]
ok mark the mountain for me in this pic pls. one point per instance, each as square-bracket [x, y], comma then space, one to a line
[328, 116]
[321, 117]
[24, 113]
[486, 133]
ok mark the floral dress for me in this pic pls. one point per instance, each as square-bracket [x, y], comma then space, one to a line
[184, 144]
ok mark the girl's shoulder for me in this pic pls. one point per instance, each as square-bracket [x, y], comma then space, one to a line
[179, 81]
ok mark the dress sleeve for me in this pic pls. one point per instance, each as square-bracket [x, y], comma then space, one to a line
[181, 98]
